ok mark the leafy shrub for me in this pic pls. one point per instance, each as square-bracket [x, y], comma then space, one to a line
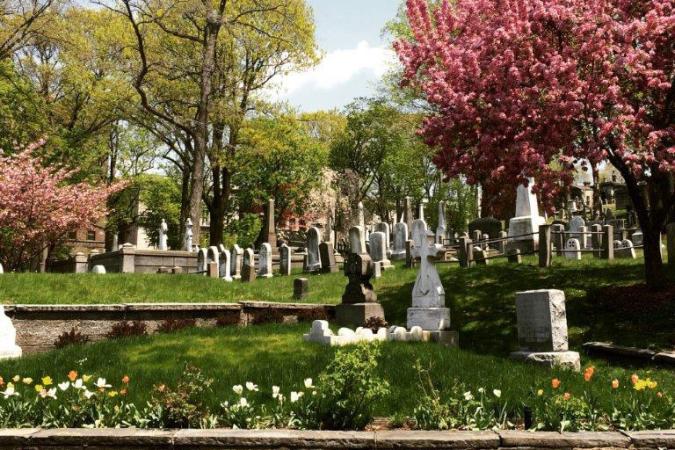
[347, 391]
[69, 338]
[127, 329]
[173, 325]
[183, 406]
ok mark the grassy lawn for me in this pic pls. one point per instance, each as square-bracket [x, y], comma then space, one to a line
[482, 299]
[276, 355]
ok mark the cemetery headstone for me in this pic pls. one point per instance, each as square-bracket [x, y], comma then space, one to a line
[285, 260]
[313, 260]
[514, 256]
[271, 232]
[524, 227]
[265, 261]
[400, 237]
[481, 256]
[378, 250]
[99, 269]
[573, 249]
[383, 227]
[248, 266]
[163, 230]
[327, 254]
[188, 236]
[420, 210]
[8, 347]
[359, 301]
[558, 238]
[501, 244]
[213, 256]
[202, 261]
[477, 236]
[428, 309]
[300, 288]
[637, 238]
[409, 258]
[1, 270]
[357, 242]
[237, 254]
[624, 249]
[225, 263]
[212, 269]
[596, 239]
[542, 329]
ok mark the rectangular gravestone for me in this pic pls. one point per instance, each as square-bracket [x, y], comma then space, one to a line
[327, 254]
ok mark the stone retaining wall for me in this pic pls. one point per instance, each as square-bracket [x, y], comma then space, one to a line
[39, 326]
[280, 439]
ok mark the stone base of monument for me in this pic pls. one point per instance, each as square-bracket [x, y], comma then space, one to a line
[568, 360]
[397, 255]
[356, 315]
[429, 318]
[12, 351]
[524, 247]
[445, 337]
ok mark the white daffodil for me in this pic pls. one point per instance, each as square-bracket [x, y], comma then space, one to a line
[238, 389]
[78, 384]
[10, 391]
[251, 387]
[308, 383]
[101, 383]
[243, 402]
[497, 393]
[27, 380]
[275, 391]
[88, 394]
[481, 390]
[52, 393]
[468, 396]
[16, 378]
[64, 386]
[295, 396]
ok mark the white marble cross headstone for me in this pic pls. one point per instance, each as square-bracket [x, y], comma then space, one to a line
[163, 229]
[428, 290]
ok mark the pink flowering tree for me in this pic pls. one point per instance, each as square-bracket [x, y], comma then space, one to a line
[38, 207]
[520, 88]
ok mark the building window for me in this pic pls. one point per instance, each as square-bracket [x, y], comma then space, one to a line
[91, 235]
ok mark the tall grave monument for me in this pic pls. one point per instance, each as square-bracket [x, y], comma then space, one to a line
[526, 222]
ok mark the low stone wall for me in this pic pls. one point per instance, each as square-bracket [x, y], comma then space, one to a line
[39, 326]
[281, 439]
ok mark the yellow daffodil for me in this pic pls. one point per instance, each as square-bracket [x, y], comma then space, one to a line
[47, 381]
[86, 378]
[38, 387]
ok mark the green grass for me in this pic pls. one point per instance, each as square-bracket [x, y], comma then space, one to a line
[276, 355]
[482, 299]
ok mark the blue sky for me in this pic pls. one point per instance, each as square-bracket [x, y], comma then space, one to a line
[355, 55]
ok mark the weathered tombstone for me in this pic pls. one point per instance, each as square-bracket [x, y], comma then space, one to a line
[583, 237]
[357, 242]
[285, 260]
[624, 249]
[202, 261]
[213, 256]
[265, 261]
[383, 227]
[477, 236]
[420, 210]
[225, 263]
[576, 222]
[359, 301]
[330, 230]
[409, 258]
[98, 269]
[558, 238]
[481, 256]
[377, 269]
[608, 242]
[545, 254]
[378, 250]
[327, 254]
[441, 230]
[237, 254]
[524, 227]
[573, 249]
[501, 244]
[428, 309]
[212, 269]
[1, 270]
[465, 252]
[637, 238]
[313, 260]
[400, 237]
[248, 266]
[8, 347]
[300, 288]
[596, 239]
[188, 236]
[163, 230]
[542, 329]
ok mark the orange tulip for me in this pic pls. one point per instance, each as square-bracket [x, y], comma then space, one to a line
[125, 379]
[72, 375]
[2, 381]
[567, 396]
[615, 384]
[634, 378]
[555, 383]
[588, 373]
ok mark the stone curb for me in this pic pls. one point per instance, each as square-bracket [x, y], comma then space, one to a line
[35, 438]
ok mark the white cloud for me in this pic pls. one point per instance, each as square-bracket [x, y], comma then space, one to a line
[339, 67]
